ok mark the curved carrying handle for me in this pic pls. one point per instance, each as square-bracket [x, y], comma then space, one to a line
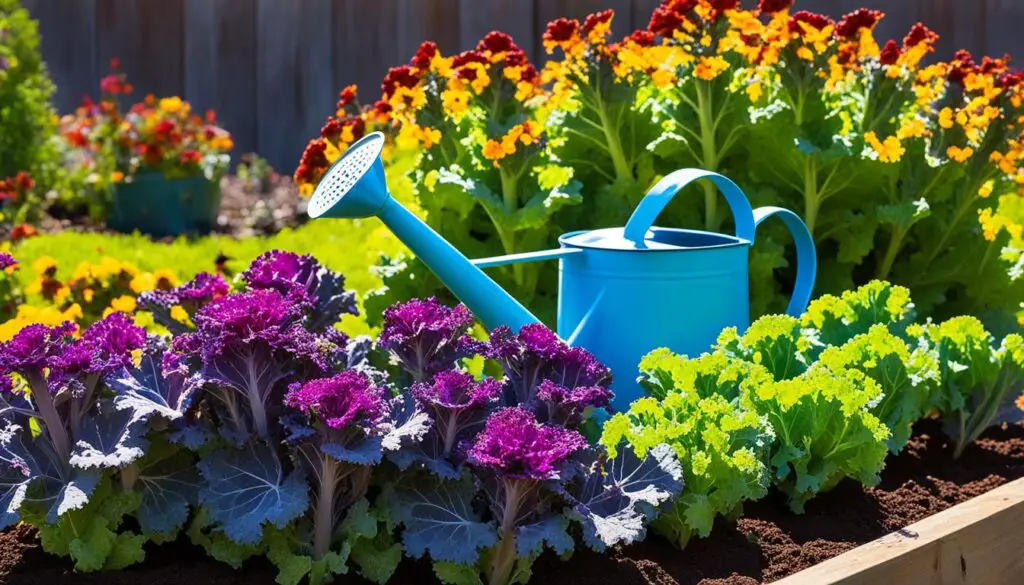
[806, 257]
[662, 192]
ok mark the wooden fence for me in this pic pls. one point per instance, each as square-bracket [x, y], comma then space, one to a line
[272, 68]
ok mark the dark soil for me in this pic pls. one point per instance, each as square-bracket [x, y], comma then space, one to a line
[764, 545]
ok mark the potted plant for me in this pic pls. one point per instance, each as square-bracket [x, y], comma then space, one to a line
[163, 163]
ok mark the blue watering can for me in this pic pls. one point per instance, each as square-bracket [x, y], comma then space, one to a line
[622, 291]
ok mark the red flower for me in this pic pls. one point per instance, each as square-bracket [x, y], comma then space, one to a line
[164, 128]
[644, 38]
[382, 108]
[424, 54]
[332, 129]
[398, 76]
[347, 96]
[814, 20]
[516, 59]
[723, 5]
[23, 181]
[990, 66]
[22, 231]
[890, 53]
[597, 18]
[114, 85]
[314, 154]
[773, 6]
[664, 21]
[918, 34]
[1011, 79]
[115, 63]
[211, 117]
[962, 65]
[191, 157]
[498, 42]
[466, 57]
[851, 24]
[561, 30]
[358, 127]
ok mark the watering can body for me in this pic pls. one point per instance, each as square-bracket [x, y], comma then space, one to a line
[623, 291]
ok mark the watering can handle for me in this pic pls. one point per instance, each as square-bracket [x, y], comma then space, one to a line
[806, 257]
[662, 192]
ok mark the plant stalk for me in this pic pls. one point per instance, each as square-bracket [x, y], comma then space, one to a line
[324, 513]
[54, 425]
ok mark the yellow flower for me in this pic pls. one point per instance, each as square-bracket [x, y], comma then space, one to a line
[331, 152]
[912, 128]
[44, 264]
[986, 189]
[455, 100]
[179, 314]
[171, 105]
[805, 54]
[123, 303]
[889, 151]
[493, 151]
[959, 154]
[142, 282]
[710, 67]
[946, 118]
[306, 189]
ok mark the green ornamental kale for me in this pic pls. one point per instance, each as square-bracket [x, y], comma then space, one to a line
[977, 376]
[824, 430]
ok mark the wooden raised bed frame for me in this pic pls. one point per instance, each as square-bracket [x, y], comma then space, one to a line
[977, 542]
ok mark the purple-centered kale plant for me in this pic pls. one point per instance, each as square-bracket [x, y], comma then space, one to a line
[342, 429]
[427, 337]
[458, 405]
[74, 480]
[559, 383]
[536, 479]
[306, 281]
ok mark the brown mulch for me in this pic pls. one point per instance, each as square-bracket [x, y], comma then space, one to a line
[765, 544]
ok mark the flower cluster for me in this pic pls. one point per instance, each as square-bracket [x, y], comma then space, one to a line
[15, 189]
[96, 289]
[515, 444]
[427, 337]
[339, 401]
[155, 135]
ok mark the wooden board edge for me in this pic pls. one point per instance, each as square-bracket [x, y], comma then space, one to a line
[977, 542]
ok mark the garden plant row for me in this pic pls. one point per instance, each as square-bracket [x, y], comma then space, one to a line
[258, 428]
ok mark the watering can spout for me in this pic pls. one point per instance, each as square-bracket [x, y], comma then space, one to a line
[355, 187]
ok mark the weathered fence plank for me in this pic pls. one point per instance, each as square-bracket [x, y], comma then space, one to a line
[364, 44]
[69, 47]
[514, 17]
[642, 11]
[295, 91]
[149, 40]
[220, 72]
[427, 20]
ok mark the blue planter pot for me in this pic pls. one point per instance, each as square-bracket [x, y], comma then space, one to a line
[159, 207]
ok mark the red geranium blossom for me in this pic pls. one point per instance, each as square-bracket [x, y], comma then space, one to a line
[561, 30]
[851, 24]
[890, 53]
[398, 76]
[424, 55]
[498, 42]
[918, 34]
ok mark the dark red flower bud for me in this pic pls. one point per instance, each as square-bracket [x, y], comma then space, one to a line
[723, 5]
[398, 76]
[1011, 79]
[814, 20]
[851, 24]
[347, 96]
[424, 54]
[961, 66]
[597, 18]
[773, 6]
[644, 38]
[331, 130]
[466, 57]
[561, 30]
[497, 42]
[665, 21]
[919, 33]
[890, 53]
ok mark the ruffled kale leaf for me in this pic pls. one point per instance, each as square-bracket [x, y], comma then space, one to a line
[614, 499]
[248, 488]
[439, 519]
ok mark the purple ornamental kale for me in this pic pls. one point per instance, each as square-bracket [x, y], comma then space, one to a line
[111, 342]
[537, 354]
[191, 296]
[249, 345]
[349, 424]
[307, 281]
[6, 261]
[516, 446]
[427, 337]
[568, 406]
[349, 398]
[458, 404]
[35, 348]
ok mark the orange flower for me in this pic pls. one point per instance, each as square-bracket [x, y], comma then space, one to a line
[960, 154]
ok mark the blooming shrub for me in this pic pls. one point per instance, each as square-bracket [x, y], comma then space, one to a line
[863, 138]
[108, 141]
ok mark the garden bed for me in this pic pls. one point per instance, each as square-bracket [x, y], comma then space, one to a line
[766, 544]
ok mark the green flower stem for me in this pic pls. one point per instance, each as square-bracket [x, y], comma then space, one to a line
[623, 171]
[51, 420]
[504, 559]
[710, 161]
[510, 197]
[893, 249]
[812, 197]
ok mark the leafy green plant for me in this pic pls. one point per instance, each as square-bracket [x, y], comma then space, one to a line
[721, 446]
[27, 119]
[976, 374]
